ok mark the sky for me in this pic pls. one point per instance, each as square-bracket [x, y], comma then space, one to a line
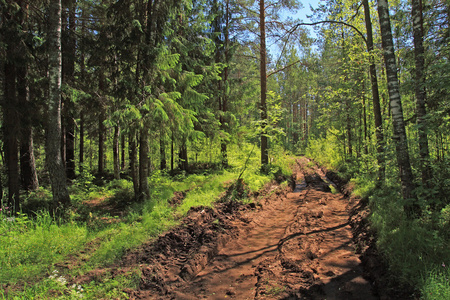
[302, 15]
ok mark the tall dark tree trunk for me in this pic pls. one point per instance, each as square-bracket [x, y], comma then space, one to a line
[172, 141]
[122, 146]
[263, 83]
[53, 144]
[81, 157]
[399, 137]
[184, 163]
[27, 161]
[101, 142]
[162, 151]
[295, 122]
[421, 111]
[375, 98]
[223, 145]
[69, 48]
[144, 190]
[133, 163]
[11, 132]
[116, 152]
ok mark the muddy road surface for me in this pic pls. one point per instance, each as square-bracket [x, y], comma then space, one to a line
[292, 243]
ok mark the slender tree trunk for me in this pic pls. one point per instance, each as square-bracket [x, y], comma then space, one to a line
[399, 137]
[133, 163]
[419, 52]
[69, 48]
[11, 133]
[144, 190]
[263, 79]
[162, 150]
[172, 152]
[81, 158]
[27, 161]
[122, 143]
[295, 122]
[184, 163]
[101, 142]
[53, 144]
[375, 98]
[223, 145]
[116, 152]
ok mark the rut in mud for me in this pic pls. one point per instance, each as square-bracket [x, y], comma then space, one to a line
[292, 244]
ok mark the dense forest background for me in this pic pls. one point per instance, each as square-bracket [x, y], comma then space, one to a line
[96, 91]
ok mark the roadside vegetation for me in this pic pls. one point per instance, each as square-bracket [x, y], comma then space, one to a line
[40, 254]
[416, 250]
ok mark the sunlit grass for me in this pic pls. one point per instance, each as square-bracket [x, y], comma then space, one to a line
[31, 248]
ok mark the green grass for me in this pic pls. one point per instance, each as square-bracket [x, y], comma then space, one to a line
[31, 246]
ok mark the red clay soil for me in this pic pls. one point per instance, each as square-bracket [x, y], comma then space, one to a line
[292, 244]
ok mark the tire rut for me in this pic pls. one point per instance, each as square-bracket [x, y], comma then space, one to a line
[296, 245]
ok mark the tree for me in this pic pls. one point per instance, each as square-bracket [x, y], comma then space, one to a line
[54, 160]
[419, 53]
[375, 96]
[399, 134]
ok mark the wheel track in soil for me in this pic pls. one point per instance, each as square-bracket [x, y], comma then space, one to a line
[298, 245]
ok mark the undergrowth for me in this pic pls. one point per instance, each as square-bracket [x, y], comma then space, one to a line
[416, 250]
[104, 223]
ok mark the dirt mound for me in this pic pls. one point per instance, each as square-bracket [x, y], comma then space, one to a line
[178, 255]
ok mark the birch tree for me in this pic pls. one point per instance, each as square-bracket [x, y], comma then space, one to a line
[54, 161]
[399, 131]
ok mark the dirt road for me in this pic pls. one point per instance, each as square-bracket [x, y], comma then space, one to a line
[292, 245]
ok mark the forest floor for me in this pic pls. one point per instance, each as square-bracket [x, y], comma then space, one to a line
[291, 242]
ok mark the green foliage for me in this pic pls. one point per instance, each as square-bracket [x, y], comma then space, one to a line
[29, 247]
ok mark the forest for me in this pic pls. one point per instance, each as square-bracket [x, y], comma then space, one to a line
[113, 110]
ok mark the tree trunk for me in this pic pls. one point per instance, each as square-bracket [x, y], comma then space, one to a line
[133, 163]
[11, 132]
[399, 137]
[263, 79]
[144, 190]
[172, 152]
[420, 91]
[162, 151]
[122, 146]
[101, 142]
[27, 161]
[375, 98]
[81, 158]
[116, 152]
[184, 163]
[68, 52]
[53, 144]
[223, 145]
[295, 122]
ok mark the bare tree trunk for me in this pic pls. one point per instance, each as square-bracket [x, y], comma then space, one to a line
[419, 53]
[162, 150]
[172, 152]
[28, 171]
[184, 163]
[263, 75]
[122, 145]
[295, 122]
[116, 152]
[144, 190]
[399, 137]
[81, 158]
[375, 98]
[133, 163]
[53, 144]
[11, 132]
[101, 141]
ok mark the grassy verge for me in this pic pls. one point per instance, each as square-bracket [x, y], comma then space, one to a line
[417, 250]
[34, 247]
